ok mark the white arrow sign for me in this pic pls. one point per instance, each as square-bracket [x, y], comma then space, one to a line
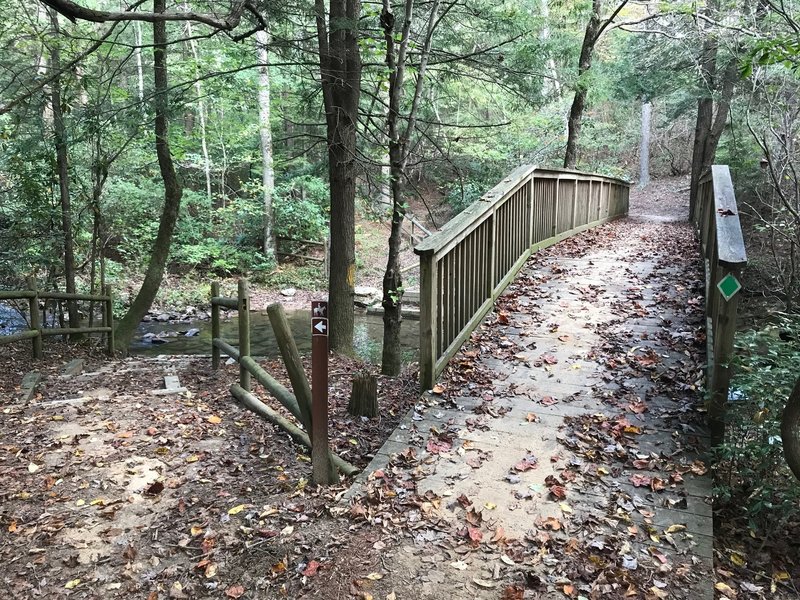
[321, 327]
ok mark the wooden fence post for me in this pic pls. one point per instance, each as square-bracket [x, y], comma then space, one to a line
[555, 209]
[36, 325]
[215, 334]
[574, 204]
[428, 296]
[724, 333]
[244, 332]
[109, 318]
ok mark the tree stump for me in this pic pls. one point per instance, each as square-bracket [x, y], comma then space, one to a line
[364, 399]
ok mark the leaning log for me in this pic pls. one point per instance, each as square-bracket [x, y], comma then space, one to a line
[255, 405]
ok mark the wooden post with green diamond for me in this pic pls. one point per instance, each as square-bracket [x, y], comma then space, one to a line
[726, 259]
[724, 333]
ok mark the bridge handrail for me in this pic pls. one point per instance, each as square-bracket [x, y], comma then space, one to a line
[467, 265]
[716, 218]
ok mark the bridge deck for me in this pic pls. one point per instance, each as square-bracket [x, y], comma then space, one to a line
[589, 367]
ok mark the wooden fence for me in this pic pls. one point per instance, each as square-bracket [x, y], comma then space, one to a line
[467, 265]
[37, 331]
[716, 218]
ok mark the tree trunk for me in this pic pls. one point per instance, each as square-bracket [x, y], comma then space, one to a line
[644, 148]
[137, 32]
[62, 165]
[391, 360]
[593, 29]
[172, 191]
[267, 172]
[201, 108]
[364, 397]
[340, 70]
[709, 125]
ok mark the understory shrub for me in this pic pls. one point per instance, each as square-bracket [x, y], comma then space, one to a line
[752, 475]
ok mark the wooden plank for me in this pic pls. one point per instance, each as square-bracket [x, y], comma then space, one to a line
[244, 332]
[215, 330]
[229, 303]
[728, 228]
[108, 307]
[64, 296]
[74, 330]
[427, 318]
[16, 337]
[28, 386]
[16, 295]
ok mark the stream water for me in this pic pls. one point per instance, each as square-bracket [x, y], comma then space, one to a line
[171, 339]
[368, 337]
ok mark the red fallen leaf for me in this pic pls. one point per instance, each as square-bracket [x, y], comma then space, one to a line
[699, 468]
[548, 401]
[475, 535]
[152, 431]
[502, 318]
[475, 462]
[565, 338]
[641, 480]
[436, 446]
[656, 554]
[676, 477]
[526, 464]
[513, 592]
[378, 474]
[558, 491]
[464, 501]
[235, 591]
[658, 485]
[438, 389]
[551, 523]
[568, 476]
[549, 359]
[311, 569]
[271, 533]
[641, 464]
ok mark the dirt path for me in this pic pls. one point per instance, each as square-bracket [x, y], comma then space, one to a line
[561, 456]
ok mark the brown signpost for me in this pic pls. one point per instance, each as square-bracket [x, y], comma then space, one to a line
[322, 467]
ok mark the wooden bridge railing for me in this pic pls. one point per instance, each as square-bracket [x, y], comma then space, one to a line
[466, 266]
[716, 218]
[37, 331]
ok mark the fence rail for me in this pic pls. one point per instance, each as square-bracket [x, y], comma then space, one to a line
[466, 266]
[37, 331]
[716, 217]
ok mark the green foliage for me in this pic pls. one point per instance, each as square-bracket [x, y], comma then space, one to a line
[752, 473]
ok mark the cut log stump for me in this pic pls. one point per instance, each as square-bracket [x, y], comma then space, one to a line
[364, 399]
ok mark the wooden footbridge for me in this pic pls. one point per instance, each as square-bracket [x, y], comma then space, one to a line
[566, 420]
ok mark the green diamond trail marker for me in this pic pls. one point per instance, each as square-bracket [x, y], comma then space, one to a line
[729, 286]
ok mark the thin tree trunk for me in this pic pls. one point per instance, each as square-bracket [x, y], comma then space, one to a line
[62, 165]
[594, 29]
[172, 191]
[265, 132]
[137, 51]
[201, 109]
[340, 70]
[391, 360]
[644, 148]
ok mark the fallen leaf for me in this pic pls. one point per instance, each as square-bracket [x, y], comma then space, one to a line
[727, 590]
[237, 509]
[214, 419]
[374, 576]
[235, 591]
[311, 569]
[32, 468]
[72, 584]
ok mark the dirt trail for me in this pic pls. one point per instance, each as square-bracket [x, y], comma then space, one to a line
[562, 455]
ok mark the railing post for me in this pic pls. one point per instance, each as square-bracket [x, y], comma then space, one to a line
[244, 332]
[554, 232]
[215, 333]
[574, 204]
[36, 325]
[589, 205]
[109, 318]
[492, 252]
[724, 332]
[428, 296]
[531, 221]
